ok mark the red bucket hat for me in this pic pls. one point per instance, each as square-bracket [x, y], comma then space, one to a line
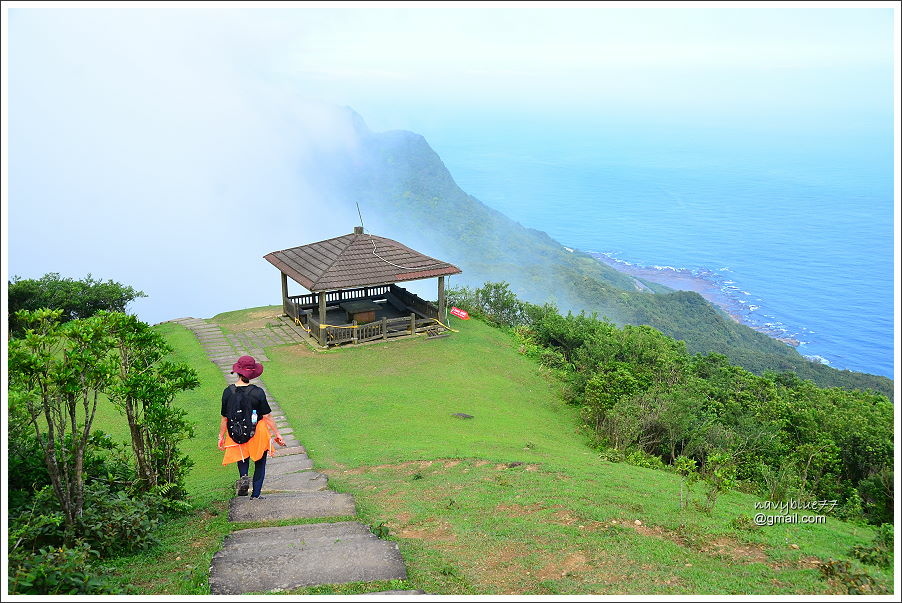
[248, 367]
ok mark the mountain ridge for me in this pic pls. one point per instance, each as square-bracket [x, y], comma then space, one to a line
[410, 194]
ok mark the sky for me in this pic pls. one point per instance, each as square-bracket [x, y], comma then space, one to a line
[164, 146]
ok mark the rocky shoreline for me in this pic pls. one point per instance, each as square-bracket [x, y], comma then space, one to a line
[706, 283]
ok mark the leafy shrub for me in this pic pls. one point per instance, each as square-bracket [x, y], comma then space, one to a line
[880, 552]
[495, 302]
[877, 492]
[36, 525]
[854, 582]
[113, 523]
[640, 458]
[58, 571]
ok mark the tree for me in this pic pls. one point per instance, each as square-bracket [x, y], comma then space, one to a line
[58, 370]
[144, 389]
[75, 299]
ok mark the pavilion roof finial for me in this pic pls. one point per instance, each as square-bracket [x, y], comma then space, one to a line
[358, 230]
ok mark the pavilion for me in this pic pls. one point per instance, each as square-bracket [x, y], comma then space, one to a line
[354, 296]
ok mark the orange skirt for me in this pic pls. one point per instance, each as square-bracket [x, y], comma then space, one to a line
[254, 448]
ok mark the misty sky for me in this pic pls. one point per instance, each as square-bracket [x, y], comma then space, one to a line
[164, 147]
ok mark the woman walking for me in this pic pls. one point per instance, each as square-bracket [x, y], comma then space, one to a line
[259, 445]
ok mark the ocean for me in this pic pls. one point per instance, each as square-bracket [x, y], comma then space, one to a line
[791, 233]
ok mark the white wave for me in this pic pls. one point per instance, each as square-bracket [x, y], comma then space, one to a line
[818, 359]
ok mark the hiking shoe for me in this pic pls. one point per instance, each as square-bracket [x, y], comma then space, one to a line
[257, 497]
[243, 485]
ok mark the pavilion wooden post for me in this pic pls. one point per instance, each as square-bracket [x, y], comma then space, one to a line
[322, 317]
[441, 298]
[285, 293]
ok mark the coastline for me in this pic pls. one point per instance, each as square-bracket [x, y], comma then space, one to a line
[714, 286]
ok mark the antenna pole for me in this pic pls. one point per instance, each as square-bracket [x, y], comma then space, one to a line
[359, 214]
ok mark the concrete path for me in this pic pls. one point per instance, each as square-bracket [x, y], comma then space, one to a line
[277, 559]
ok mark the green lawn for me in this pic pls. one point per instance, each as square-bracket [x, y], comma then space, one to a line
[509, 501]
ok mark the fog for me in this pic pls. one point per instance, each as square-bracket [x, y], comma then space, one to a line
[169, 148]
[147, 150]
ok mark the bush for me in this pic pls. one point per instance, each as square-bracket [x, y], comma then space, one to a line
[58, 571]
[880, 552]
[113, 523]
[638, 458]
[854, 582]
[495, 302]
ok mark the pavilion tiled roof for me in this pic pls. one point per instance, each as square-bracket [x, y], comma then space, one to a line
[356, 260]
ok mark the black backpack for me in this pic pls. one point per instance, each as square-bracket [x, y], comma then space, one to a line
[238, 414]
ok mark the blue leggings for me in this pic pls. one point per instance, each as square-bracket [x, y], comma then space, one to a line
[259, 472]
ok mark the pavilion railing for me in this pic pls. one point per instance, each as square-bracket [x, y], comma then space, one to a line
[414, 302]
[310, 301]
[386, 328]
[303, 309]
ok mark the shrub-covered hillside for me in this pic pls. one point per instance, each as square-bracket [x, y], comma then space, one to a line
[407, 193]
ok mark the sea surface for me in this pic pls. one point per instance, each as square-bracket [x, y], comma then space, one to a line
[792, 234]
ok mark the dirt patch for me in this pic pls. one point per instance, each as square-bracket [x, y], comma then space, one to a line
[439, 532]
[516, 510]
[502, 571]
[720, 546]
[574, 563]
[564, 517]
[402, 518]
[724, 546]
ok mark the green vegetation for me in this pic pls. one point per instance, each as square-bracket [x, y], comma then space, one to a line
[643, 395]
[75, 299]
[77, 495]
[407, 190]
[513, 500]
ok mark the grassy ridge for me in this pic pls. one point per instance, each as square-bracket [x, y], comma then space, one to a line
[510, 501]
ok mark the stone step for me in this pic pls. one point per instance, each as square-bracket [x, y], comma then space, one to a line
[279, 544]
[304, 481]
[336, 564]
[276, 549]
[335, 529]
[287, 459]
[289, 450]
[288, 464]
[291, 505]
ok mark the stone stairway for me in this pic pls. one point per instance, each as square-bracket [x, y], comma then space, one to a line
[288, 557]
